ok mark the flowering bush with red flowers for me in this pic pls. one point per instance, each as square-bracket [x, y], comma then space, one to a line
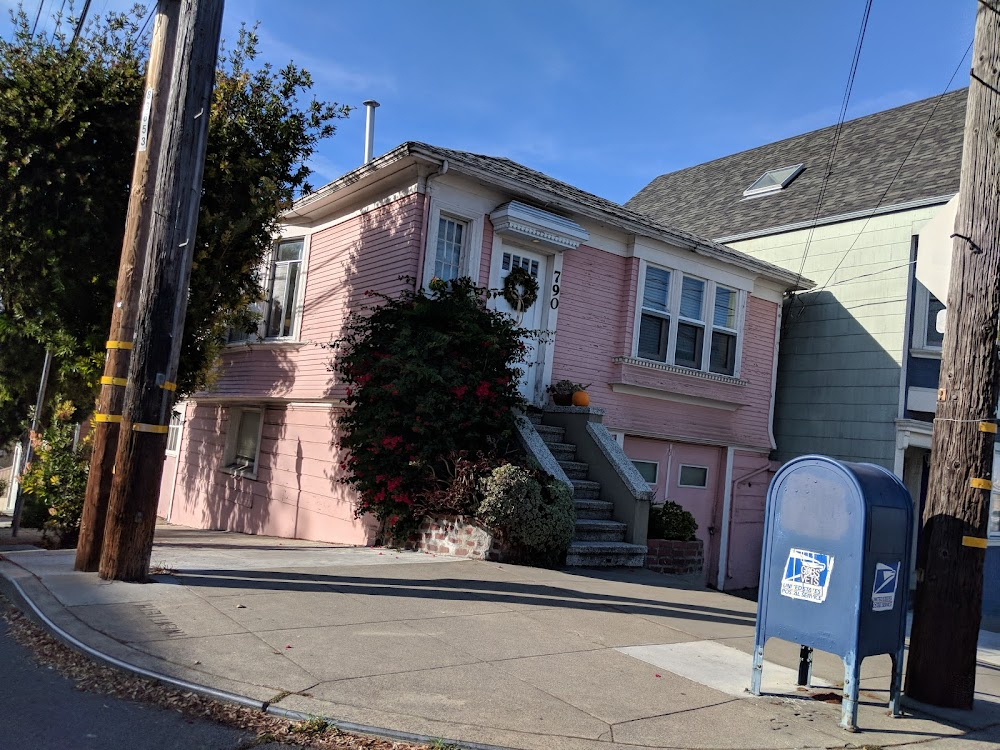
[430, 375]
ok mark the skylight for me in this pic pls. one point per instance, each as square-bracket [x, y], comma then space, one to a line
[773, 180]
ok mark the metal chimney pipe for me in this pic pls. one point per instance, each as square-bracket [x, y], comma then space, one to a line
[370, 105]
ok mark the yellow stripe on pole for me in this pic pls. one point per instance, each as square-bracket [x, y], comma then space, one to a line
[98, 417]
[981, 484]
[168, 386]
[119, 345]
[974, 541]
[107, 380]
[988, 427]
[160, 429]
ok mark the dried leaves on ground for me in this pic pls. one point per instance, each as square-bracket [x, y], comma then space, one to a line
[98, 678]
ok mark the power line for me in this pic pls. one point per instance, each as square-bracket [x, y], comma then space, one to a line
[38, 15]
[837, 131]
[79, 22]
[899, 169]
[149, 14]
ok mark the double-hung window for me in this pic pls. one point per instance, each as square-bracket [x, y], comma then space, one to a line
[450, 249]
[688, 322]
[926, 307]
[283, 284]
[243, 442]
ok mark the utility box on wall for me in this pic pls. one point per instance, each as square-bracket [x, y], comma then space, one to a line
[835, 569]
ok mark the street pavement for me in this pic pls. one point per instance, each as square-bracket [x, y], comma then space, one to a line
[43, 710]
[474, 652]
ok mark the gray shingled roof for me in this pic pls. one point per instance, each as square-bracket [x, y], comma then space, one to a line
[708, 198]
[557, 196]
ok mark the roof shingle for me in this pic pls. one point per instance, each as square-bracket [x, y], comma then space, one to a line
[708, 198]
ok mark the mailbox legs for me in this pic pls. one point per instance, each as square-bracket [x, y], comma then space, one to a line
[758, 667]
[805, 665]
[849, 708]
[894, 686]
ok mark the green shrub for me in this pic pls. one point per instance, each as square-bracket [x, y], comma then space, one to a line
[56, 480]
[535, 520]
[671, 521]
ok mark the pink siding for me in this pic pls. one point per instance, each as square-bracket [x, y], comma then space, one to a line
[366, 252]
[296, 493]
[746, 529]
[484, 261]
[596, 317]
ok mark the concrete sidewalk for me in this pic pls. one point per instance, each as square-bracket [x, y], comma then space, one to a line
[470, 651]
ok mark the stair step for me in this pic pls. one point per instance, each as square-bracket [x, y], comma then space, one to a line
[584, 489]
[605, 555]
[535, 417]
[575, 469]
[599, 531]
[550, 434]
[596, 510]
[562, 451]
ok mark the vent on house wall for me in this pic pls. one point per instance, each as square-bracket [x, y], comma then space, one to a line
[773, 180]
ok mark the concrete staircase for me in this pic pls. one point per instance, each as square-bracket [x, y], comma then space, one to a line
[599, 540]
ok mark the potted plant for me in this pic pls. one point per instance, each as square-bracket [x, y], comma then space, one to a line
[566, 393]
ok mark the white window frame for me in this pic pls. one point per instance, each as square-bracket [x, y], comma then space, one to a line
[993, 534]
[921, 311]
[175, 429]
[473, 241]
[656, 469]
[232, 435]
[263, 307]
[680, 470]
[707, 323]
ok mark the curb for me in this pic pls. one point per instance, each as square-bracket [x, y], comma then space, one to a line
[18, 593]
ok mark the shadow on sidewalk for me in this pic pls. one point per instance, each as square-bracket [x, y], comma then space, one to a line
[457, 590]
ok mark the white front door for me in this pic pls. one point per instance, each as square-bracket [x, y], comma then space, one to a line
[504, 259]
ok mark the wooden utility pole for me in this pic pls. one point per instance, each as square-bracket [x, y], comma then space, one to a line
[128, 533]
[941, 669]
[137, 221]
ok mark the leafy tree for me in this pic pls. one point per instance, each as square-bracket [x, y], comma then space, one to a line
[432, 377]
[68, 124]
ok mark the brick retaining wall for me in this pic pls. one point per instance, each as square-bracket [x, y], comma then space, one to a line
[455, 535]
[675, 558]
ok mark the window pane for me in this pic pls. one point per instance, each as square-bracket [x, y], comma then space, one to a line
[279, 286]
[723, 356]
[653, 337]
[693, 476]
[994, 520]
[448, 255]
[291, 250]
[174, 431]
[246, 439]
[290, 291]
[934, 306]
[689, 344]
[656, 292]
[725, 307]
[692, 296]
[648, 470]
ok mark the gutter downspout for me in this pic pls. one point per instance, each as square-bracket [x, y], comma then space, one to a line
[428, 194]
[774, 378]
[727, 508]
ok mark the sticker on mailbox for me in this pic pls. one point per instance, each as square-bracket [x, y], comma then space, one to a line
[884, 590]
[807, 575]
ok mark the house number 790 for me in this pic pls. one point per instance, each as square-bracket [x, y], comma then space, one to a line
[554, 302]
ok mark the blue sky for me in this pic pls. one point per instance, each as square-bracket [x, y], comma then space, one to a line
[605, 94]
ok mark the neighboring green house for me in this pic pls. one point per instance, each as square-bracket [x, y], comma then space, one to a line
[859, 358]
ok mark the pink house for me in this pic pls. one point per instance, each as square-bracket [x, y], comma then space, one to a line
[676, 335]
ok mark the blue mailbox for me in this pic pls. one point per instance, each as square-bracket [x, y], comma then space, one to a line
[834, 571]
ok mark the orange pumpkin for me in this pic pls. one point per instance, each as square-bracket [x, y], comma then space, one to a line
[581, 398]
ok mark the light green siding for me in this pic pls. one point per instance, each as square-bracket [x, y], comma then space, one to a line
[842, 345]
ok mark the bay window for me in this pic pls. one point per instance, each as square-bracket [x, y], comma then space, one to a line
[687, 321]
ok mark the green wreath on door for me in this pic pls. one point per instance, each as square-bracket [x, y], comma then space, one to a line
[520, 289]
